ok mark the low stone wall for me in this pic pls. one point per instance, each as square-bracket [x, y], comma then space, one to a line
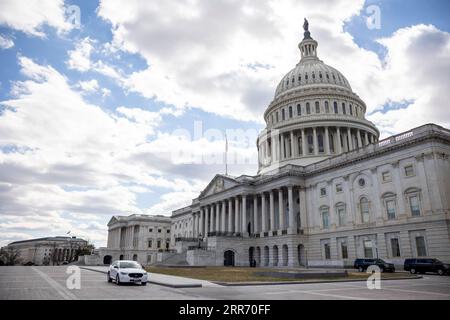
[201, 258]
[302, 275]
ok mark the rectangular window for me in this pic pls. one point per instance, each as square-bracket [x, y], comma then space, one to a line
[283, 115]
[150, 230]
[386, 176]
[415, 207]
[159, 230]
[290, 112]
[420, 245]
[150, 243]
[323, 192]
[325, 221]
[299, 110]
[339, 188]
[278, 118]
[341, 216]
[327, 250]
[390, 208]
[368, 250]
[395, 247]
[158, 244]
[409, 171]
[344, 250]
[168, 230]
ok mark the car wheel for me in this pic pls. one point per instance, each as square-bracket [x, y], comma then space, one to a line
[440, 272]
[109, 277]
[361, 269]
[118, 280]
[413, 271]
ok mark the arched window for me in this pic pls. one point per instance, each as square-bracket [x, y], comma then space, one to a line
[364, 209]
[283, 114]
[351, 110]
[278, 118]
[317, 107]
[320, 142]
[308, 108]
[390, 204]
[299, 110]
[344, 109]
[336, 108]
[327, 107]
[306, 77]
[290, 112]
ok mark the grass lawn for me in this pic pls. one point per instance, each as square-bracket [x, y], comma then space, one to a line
[222, 274]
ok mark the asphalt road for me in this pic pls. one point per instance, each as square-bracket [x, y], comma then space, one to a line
[49, 283]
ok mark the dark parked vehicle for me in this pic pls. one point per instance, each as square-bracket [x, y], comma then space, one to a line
[363, 264]
[426, 265]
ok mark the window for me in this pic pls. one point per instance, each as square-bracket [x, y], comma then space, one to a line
[283, 115]
[344, 109]
[308, 108]
[395, 247]
[150, 230]
[158, 244]
[364, 208]
[344, 250]
[420, 246]
[368, 250]
[414, 203]
[351, 110]
[317, 107]
[409, 171]
[341, 215]
[327, 107]
[390, 209]
[339, 188]
[290, 112]
[336, 108]
[386, 176]
[168, 230]
[327, 250]
[299, 110]
[325, 218]
[150, 243]
[362, 183]
[320, 142]
[323, 192]
[278, 118]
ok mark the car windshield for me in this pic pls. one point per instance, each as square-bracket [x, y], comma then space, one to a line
[126, 265]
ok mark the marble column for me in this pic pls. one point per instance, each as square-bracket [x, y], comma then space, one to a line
[303, 214]
[202, 219]
[358, 134]
[218, 217]
[236, 215]
[263, 213]
[212, 218]
[272, 212]
[292, 220]
[223, 226]
[292, 145]
[366, 137]
[206, 222]
[244, 215]
[274, 152]
[282, 147]
[304, 144]
[339, 141]
[255, 214]
[316, 144]
[282, 225]
[327, 141]
[230, 215]
[349, 139]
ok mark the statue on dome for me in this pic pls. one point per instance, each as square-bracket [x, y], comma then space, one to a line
[306, 25]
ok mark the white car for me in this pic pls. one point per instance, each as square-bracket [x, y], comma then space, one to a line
[127, 272]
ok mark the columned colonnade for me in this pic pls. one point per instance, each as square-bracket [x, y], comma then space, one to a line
[272, 212]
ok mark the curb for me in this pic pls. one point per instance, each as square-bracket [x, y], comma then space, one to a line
[175, 286]
[244, 284]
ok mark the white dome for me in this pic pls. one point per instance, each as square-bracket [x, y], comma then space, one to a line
[311, 73]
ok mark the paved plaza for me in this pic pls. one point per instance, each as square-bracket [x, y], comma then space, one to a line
[49, 283]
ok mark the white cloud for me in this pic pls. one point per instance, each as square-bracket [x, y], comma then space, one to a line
[31, 16]
[80, 57]
[6, 43]
[89, 86]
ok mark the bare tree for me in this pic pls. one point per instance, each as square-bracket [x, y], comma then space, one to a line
[10, 256]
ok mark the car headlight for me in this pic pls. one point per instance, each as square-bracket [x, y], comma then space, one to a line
[123, 273]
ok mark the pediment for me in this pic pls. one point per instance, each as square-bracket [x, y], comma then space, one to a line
[218, 184]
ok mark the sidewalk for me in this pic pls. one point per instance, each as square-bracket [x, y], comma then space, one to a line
[164, 280]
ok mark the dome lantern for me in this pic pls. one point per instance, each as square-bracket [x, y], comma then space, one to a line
[308, 47]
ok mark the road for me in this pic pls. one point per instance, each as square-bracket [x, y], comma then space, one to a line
[49, 283]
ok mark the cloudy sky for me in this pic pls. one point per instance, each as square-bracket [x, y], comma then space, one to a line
[118, 107]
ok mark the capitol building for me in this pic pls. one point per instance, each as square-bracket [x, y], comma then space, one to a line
[327, 190]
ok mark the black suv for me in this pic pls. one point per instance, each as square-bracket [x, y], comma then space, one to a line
[426, 265]
[363, 264]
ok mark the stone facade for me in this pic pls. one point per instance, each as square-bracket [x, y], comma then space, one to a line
[327, 190]
[137, 237]
[48, 251]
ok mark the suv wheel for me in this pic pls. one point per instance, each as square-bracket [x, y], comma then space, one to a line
[413, 271]
[361, 269]
[118, 280]
[440, 272]
[109, 277]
